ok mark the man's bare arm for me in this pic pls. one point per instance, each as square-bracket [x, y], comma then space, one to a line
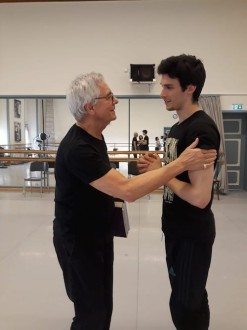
[117, 185]
[198, 191]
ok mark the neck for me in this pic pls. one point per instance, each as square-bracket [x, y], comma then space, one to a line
[90, 129]
[185, 113]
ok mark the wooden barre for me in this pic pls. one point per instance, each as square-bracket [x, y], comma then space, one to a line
[53, 159]
[32, 151]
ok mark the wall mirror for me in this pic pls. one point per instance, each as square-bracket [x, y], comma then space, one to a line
[39, 123]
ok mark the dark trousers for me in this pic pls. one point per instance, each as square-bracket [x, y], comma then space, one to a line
[135, 155]
[88, 278]
[188, 263]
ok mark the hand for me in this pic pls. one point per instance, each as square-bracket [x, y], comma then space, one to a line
[194, 159]
[148, 162]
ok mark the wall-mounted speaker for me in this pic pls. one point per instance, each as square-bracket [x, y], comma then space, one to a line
[142, 73]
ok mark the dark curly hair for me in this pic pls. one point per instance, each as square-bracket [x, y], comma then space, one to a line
[187, 69]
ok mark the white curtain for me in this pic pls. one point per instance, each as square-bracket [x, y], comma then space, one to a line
[211, 105]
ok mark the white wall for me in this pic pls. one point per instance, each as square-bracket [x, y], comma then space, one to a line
[228, 100]
[45, 45]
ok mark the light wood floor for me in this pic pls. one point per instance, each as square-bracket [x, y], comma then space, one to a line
[32, 296]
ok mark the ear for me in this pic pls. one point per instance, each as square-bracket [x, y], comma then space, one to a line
[191, 89]
[89, 107]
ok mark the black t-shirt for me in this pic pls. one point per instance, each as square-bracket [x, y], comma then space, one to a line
[146, 146]
[134, 143]
[82, 213]
[181, 219]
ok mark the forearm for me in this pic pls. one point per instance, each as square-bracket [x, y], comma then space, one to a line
[197, 194]
[182, 189]
[145, 183]
[117, 185]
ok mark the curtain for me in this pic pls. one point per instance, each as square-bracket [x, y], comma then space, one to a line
[211, 105]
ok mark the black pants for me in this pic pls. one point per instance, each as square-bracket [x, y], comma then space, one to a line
[188, 263]
[88, 278]
[135, 155]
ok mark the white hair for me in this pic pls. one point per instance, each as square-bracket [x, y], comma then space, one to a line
[82, 90]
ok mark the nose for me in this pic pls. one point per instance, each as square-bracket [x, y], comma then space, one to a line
[115, 100]
[162, 94]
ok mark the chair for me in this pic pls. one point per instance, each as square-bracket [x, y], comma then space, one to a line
[51, 171]
[38, 173]
[2, 164]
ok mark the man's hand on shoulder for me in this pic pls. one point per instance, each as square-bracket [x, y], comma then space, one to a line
[195, 159]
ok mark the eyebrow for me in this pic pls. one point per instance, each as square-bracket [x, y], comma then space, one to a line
[108, 94]
[166, 85]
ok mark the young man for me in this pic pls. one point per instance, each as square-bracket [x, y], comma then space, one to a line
[84, 204]
[187, 220]
[134, 143]
[145, 142]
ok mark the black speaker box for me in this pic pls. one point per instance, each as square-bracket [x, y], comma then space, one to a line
[142, 72]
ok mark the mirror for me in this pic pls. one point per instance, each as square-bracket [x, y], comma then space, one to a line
[40, 124]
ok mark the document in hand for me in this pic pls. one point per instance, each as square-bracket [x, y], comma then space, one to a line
[120, 219]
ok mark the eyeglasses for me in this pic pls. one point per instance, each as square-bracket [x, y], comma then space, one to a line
[107, 97]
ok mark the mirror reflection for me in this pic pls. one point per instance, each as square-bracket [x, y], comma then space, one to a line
[32, 128]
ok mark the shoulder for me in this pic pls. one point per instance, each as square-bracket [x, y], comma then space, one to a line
[201, 121]
[202, 116]
[204, 127]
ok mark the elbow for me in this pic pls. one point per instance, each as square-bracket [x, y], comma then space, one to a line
[127, 195]
[201, 203]
[130, 194]
[130, 198]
